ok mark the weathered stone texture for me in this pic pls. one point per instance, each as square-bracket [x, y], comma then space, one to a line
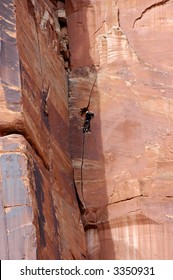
[124, 166]
[122, 51]
[18, 235]
[34, 102]
[45, 101]
[10, 94]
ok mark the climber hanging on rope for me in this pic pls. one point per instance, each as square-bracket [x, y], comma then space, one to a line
[88, 116]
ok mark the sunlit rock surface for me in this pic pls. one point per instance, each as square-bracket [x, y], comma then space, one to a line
[123, 167]
[18, 234]
[116, 58]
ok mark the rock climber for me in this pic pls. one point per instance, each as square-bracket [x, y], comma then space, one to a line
[88, 116]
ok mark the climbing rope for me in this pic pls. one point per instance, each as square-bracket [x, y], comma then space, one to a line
[83, 145]
[91, 92]
[83, 110]
[81, 169]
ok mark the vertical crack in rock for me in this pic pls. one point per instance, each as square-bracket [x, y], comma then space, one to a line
[123, 223]
[39, 193]
[160, 3]
[127, 40]
[119, 26]
[81, 169]
[55, 224]
[44, 111]
[50, 220]
[118, 17]
[80, 202]
[64, 41]
[103, 21]
[83, 141]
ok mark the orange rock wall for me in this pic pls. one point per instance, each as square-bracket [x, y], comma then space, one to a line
[121, 65]
[39, 209]
[124, 166]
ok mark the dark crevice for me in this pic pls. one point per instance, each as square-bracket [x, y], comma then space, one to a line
[39, 194]
[89, 219]
[89, 226]
[80, 203]
[44, 108]
[83, 255]
[72, 255]
[99, 28]
[118, 18]
[64, 42]
[34, 147]
[127, 199]
[160, 3]
[55, 223]
[7, 130]
[62, 22]
[81, 169]
[31, 10]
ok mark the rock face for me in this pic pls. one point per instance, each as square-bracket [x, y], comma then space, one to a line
[18, 235]
[115, 60]
[124, 166]
[39, 210]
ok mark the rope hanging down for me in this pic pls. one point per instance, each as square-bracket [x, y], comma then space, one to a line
[85, 109]
[86, 128]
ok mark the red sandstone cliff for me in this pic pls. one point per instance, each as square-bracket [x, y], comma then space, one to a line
[126, 162]
[39, 217]
[123, 168]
